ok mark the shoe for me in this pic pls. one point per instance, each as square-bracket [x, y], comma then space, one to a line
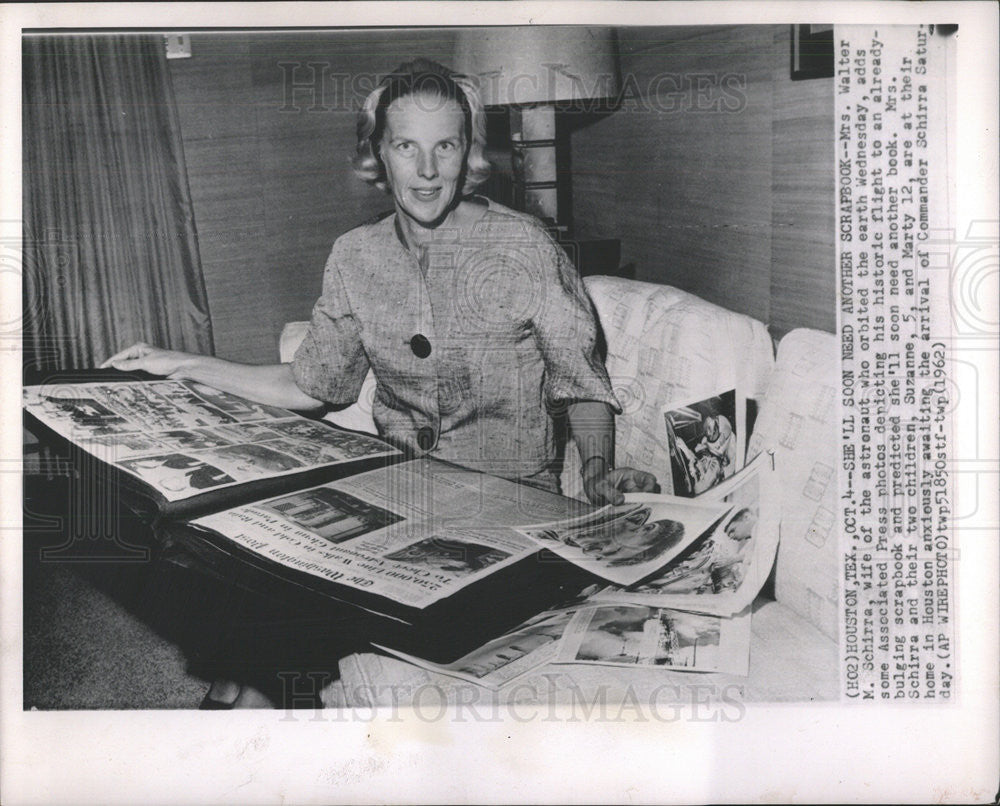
[211, 704]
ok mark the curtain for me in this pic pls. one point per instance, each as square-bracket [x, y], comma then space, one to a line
[110, 245]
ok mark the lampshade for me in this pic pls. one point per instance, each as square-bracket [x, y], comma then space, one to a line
[539, 64]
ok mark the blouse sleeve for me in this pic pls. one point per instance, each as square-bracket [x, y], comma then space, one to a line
[566, 330]
[331, 364]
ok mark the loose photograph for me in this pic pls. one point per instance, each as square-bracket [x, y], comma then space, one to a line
[703, 442]
[628, 542]
[632, 635]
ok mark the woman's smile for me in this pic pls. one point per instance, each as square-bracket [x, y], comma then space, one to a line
[423, 150]
[426, 194]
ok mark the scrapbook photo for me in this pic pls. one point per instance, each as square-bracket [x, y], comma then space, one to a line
[706, 443]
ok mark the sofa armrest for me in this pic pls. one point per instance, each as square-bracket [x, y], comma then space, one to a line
[799, 422]
[664, 347]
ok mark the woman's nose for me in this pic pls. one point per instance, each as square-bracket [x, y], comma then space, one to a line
[427, 166]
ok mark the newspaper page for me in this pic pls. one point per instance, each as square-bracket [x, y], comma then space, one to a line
[892, 85]
[419, 531]
[628, 542]
[509, 657]
[414, 532]
[634, 635]
[424, 488]
[183, 438]
[724, 570]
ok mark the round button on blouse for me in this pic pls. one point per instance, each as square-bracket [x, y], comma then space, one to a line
[420, 345]
[425, 438]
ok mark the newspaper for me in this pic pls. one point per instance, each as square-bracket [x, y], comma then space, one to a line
[634, 635]
[424, 489]
[415, 532]
[628, 542]
[509, 657]
[723, 571]
[183, 438]
[419, 531]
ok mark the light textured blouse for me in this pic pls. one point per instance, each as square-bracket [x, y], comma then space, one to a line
[473, 346]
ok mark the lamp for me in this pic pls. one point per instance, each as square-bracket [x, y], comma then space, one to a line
[531, 69]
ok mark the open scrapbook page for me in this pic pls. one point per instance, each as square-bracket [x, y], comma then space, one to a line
[412, 532]
[181, 438]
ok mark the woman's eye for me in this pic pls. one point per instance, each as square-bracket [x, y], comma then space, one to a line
[446, 147]
[405, 148]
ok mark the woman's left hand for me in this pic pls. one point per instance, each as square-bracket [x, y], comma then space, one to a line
[604, 486]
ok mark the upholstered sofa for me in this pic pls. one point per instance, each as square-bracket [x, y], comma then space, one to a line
[665, 346]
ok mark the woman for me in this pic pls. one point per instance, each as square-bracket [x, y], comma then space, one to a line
[472, 319]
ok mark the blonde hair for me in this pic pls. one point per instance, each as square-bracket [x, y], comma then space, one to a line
[410, 78]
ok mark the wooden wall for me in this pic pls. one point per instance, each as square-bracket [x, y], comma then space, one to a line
[270, 182]
[803, 260]
[725, 190]
[718, 177]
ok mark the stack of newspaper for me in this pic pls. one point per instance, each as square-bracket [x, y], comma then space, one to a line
[683, 574]
[678, 572]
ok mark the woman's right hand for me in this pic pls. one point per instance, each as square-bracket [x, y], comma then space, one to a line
[270, 384]
[154, 360]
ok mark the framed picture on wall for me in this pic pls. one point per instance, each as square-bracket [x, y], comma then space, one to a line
[812, 51]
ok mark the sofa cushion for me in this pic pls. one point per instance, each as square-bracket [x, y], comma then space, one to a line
[665, 347]
[799, 421]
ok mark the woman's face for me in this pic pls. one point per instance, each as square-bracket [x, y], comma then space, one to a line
[423, 150]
